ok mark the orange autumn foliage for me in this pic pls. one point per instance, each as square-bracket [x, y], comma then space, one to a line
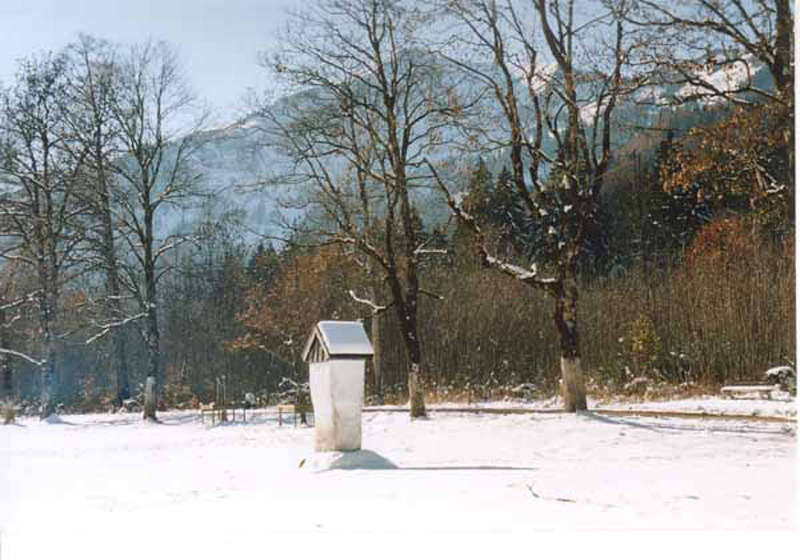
[722, 242]
[308, 288]
[741, 163]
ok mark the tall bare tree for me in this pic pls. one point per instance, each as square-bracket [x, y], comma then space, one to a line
[365, 111]
[92, 84]
[41, 220]
[570, 100]
[158, 123]
[691, 39]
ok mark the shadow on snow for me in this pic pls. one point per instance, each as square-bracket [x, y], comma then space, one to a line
[365, 459]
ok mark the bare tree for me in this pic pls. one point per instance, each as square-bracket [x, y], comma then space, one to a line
[571, 100]
[41, 219]
[364, 113]
[92, 84]
[690, 40]
[158, 125]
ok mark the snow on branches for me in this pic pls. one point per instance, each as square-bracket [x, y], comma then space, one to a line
[455, 201]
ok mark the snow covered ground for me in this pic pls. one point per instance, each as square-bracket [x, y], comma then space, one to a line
[93, 478]
[782, 405]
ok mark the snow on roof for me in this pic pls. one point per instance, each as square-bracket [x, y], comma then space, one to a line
[779, 369]
[340, 338]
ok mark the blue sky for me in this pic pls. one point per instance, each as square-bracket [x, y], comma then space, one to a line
[219, 40]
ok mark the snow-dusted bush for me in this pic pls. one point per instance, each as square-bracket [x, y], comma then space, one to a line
[130, 405]
[784, 376]
[637, 386]
[525, 391]
[292, 392]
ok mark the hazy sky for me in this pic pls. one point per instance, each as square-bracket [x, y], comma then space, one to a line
[218, 39]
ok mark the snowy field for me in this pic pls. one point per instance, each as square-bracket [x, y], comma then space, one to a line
[112, 477]
[782, 405]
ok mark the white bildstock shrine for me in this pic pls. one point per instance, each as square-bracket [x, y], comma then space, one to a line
[336, 353]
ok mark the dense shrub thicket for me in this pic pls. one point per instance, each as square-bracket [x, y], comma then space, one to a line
[715, 321]
[724, 314]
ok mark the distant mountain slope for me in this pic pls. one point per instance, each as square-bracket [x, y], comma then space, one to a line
[235, 163]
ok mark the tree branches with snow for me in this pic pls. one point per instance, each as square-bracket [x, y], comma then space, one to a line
[571, 102]
[714, 47]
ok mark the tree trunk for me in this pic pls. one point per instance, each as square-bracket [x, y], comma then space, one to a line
[113, 291]
[566, 318]
[406, 309]
[375, 331]
[150, 303]
[782, 68]
[6, 384]
[120, 352]
[153, 359]
[123, 379]
[783, 74]
[49, 379]
[8, 376]
[416, 397]
[153, 344]
[574, 389]
[49, 375]
[149, 399]
[416, 394]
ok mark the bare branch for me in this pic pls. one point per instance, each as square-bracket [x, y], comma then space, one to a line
[27, 298]
[530, 277]
[107, 328]
[375, 308]
[37, 363]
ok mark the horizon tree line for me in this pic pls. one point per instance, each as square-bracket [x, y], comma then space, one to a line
[387, 101]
